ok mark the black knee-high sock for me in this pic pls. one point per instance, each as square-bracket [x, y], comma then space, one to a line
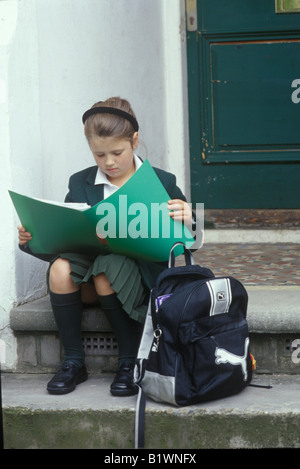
[67, 310]
[127, 330]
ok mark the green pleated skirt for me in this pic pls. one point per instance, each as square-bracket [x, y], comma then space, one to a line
[122, 272]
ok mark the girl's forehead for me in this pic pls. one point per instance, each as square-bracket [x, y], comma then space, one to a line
[107, 143]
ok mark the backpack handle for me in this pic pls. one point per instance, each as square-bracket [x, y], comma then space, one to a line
[189, 260]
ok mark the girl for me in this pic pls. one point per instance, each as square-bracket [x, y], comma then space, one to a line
[120, 284]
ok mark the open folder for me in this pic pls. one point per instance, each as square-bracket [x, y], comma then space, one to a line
[134, 221]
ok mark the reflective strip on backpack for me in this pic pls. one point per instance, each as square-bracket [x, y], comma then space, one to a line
[147, 337]
[220, 294]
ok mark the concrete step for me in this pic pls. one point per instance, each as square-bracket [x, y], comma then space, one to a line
[274, 325]
[39, 348]
[273, 318]
[90, 418]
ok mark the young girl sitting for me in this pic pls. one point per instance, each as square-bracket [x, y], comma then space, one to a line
[119, 283]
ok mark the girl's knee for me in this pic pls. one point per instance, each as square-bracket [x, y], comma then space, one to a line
[102, 285]
[60, 280]
[60, 268]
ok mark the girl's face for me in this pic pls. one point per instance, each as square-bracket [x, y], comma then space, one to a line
[114, 157]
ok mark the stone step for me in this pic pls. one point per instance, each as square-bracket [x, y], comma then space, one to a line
[274, 325]
[90, 418]
[273, 318]
[39, 348]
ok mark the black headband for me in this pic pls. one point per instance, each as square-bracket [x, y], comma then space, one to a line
[111, 110]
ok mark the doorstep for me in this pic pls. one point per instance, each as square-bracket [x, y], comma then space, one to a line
[90, 418]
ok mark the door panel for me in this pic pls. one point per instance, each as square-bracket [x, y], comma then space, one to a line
[244, 98]
[252, 95]
[266, 183]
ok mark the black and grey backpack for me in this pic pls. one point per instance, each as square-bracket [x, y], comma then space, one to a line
[195, 343]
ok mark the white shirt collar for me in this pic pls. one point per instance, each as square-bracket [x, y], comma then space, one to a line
[110, 188]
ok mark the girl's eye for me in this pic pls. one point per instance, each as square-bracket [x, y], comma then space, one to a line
[115, 153]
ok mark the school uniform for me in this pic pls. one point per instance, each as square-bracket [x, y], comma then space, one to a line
[130, 279]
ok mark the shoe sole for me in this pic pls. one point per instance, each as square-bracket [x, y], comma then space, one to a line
[124, 392]
[67, 390]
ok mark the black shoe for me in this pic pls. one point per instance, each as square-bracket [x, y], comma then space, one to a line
[66, 378]
[123, 384]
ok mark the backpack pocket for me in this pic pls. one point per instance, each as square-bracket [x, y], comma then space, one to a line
[213, 359]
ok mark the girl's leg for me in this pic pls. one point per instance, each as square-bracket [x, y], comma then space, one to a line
[128, 333]
[66, 304]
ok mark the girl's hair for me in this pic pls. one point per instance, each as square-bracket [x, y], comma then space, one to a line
[110, 125]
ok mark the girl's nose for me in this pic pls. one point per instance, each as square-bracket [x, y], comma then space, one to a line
[109, 162]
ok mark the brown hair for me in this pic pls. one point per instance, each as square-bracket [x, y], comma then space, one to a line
[110, 125]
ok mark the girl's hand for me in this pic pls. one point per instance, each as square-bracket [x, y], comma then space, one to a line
[24, 236]
[180, 210]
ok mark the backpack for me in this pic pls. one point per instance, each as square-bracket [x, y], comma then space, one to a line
[195, 341]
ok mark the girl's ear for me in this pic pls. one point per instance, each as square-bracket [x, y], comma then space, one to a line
[135, 140]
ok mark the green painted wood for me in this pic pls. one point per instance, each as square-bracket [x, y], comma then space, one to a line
[244, 105]
[268, 186]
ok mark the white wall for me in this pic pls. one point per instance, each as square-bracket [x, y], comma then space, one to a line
[176, 131]
[7, 269]
[21, 279]
[128, 48]
[101, 49]
[58, 57]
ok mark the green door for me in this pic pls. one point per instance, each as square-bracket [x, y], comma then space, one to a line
[244, 103]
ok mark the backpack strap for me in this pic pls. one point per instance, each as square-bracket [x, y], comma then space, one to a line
[147, 337]
[143, 354]
[139, 438]
[139, 369]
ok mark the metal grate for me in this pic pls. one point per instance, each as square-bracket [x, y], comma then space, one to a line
[100, 344]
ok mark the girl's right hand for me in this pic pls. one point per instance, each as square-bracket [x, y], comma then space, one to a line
[24, 236]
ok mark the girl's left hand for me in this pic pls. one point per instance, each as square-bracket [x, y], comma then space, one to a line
[180, 210]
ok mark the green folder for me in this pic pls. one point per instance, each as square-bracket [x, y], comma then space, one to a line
[134, 221]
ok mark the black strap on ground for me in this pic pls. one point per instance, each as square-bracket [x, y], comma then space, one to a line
[140, 420]
[265, 386]
[1, 414]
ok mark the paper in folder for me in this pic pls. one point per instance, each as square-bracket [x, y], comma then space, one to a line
[134, 221]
